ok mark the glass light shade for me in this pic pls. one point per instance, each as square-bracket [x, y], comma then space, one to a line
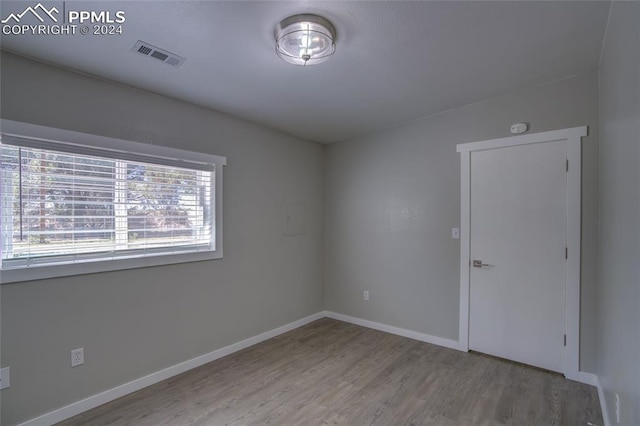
[305, 39]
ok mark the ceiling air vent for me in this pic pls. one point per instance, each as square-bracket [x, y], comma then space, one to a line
[151, 51]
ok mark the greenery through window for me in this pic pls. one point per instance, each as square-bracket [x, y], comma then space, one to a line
[59, 205]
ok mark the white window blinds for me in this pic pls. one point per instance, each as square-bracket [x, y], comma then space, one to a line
[66, 203]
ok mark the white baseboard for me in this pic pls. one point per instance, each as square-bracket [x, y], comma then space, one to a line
[603, 402]
[587, 378]
[440, 341]
[153, 378]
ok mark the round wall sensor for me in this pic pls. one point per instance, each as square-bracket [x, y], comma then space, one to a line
[519, 128]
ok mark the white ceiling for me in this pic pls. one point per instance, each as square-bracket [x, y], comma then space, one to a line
[395, 61]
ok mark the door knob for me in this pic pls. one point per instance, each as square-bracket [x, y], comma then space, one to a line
[479, 264]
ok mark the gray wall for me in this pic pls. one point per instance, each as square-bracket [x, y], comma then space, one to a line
[392, 199]
[619, 273]
[132, 323]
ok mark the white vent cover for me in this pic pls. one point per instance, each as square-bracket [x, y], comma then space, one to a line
[162, 55]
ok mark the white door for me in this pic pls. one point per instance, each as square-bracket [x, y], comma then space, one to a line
[518, 211]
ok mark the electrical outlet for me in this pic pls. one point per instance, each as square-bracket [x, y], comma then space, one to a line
[617, 408]
[365, 295]
[5, 378]
[77, 357]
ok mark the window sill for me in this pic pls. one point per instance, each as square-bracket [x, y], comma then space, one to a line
[43, 272]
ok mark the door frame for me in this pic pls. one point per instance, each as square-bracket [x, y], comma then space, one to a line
[572, 136]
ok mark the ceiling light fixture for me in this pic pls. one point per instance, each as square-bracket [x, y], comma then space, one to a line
[305, 39]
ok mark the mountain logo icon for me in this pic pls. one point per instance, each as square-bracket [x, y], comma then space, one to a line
[34, 11]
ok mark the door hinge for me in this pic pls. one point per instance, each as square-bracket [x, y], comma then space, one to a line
[566, 252]
[565, 340]
[567, 165]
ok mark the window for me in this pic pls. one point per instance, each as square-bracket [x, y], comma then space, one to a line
[75, 203]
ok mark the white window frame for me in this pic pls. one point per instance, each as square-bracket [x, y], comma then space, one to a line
[16, 129]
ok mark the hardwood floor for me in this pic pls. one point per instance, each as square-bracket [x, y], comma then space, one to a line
[331, 372]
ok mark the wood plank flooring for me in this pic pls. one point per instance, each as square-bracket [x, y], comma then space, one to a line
[331, 372]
